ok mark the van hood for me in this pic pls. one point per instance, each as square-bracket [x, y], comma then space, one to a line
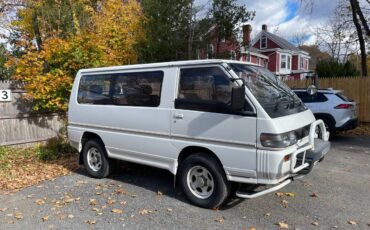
[286, 123]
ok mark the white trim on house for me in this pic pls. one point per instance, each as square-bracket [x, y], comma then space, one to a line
[288, 63]
[246, 52]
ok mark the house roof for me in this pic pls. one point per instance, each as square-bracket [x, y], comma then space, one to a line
[284, 44]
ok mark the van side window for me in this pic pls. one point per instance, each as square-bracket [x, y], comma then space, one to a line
[204, 89]
[130, 89]
[94, 89]
[138, 89]
[207, 83]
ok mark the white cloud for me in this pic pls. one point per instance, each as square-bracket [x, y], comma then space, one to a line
[275, 13]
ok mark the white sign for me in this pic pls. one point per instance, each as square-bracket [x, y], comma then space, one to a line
[5, 95]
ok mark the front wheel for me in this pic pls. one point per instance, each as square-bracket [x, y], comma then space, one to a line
[203, 181]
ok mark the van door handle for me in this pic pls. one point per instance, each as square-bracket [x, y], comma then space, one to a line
[179, 116]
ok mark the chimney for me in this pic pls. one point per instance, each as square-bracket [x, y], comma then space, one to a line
[247, 30]
[264, 27]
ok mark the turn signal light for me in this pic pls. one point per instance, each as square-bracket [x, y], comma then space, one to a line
[343, 106]
[287, 158]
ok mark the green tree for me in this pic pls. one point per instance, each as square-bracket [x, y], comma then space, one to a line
[333, 68]
[5, 72]
[166, 29]
[227, 16]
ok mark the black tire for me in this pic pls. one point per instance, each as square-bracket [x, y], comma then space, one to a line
[221, 187]
[330, 127]
[105, 168]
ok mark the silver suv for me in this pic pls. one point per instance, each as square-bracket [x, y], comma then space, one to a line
[338, 112]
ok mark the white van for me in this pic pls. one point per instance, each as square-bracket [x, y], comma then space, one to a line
[211, 123]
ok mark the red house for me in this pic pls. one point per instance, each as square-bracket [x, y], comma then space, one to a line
[266, 49]
[284, 58]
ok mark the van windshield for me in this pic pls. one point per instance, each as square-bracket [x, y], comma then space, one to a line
[275, 96]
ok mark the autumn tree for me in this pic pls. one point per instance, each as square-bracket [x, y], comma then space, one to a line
[84, 35]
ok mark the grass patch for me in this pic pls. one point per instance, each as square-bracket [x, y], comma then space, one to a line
[22, 167]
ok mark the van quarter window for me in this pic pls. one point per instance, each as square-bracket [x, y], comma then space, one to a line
[130, 89]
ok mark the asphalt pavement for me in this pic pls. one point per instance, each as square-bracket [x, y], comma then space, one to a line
[336, 195]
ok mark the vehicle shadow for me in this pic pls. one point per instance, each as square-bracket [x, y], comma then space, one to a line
[359, 141]
[153, 179]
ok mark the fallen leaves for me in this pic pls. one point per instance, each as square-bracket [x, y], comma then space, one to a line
[90, 222]
[282, 225]
[145, 212]
[18, 216]
[24, 169]
[352, 222]
[314, 194]
[281, 194]
[285, 203]
[117, 211]
[40, 201]
[45, 218]
[93, 202]
[220, 220]
[315, 223]
[290, 194]
[252, 228]
[3, 209]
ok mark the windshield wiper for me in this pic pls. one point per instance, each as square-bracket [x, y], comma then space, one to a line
[280, 89]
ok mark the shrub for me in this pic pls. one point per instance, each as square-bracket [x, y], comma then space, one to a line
[53, 149]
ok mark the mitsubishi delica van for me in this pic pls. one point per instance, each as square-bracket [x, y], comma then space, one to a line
[217, 125]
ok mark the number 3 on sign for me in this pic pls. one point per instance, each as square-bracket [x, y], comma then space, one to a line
[5, 95]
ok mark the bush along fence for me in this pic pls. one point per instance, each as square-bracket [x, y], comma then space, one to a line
[19, 125]
[356, 88]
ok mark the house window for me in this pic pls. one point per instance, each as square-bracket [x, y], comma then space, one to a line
[232, 55]
[301, 61]
[210, 51]
[283, 61]
[263, 42]
[248, 58]
[258, 61]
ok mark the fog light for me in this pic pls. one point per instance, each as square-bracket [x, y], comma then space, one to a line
[287, 158]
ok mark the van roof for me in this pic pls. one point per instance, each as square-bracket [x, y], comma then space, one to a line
[163, 64]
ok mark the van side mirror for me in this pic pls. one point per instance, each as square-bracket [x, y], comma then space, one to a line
[311, 90]
[238, 98]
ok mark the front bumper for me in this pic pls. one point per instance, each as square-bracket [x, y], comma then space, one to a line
[302, 161]
[350, 124]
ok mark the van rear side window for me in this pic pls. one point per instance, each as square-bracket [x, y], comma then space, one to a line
[124, 89]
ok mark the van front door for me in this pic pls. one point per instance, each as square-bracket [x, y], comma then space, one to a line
[202, 117]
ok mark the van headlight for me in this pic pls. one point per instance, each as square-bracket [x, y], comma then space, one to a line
[278, 140]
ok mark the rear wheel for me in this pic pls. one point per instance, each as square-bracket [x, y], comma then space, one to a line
[96, 162]
[203, 181]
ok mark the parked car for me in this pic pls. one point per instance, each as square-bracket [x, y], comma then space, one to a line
[338, 112]
[211, 123]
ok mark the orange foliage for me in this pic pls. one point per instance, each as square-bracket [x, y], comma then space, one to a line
[109, 39]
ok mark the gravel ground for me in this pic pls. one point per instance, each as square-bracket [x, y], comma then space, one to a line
[334, 196]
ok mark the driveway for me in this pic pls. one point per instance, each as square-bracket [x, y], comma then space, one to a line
[336, 195]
